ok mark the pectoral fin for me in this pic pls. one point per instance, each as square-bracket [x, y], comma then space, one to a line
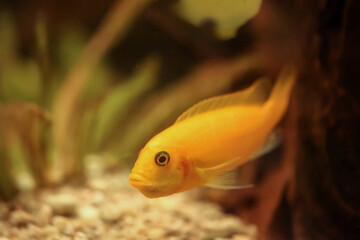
[227, 181]
[272, 142]
[224, 180]
[212, 172]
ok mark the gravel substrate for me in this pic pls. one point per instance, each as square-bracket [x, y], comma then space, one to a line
[109, 208]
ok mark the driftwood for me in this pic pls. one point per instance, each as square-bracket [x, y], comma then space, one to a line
[327, 170]
[313, 190]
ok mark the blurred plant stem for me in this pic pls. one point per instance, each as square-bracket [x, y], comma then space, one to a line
[45, 98]
[22, 127]
[43, 61]
[114, 26]
[19, 77]
[8, 43]
[7, 186]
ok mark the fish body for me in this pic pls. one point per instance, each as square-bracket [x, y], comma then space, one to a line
[211, 138]
[227, 14]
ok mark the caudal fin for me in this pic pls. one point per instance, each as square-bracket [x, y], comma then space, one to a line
[280, 95]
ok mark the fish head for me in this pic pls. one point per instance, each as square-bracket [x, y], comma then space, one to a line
[158, 171]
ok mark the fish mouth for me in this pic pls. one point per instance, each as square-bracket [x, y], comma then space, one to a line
[142, 184]
[137, 180]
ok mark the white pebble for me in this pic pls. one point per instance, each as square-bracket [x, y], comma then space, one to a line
[88, 212]
[62, 204]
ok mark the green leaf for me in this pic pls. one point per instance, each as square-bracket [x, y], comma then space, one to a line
[124, 97]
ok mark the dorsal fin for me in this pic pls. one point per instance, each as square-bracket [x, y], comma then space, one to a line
[256, 94]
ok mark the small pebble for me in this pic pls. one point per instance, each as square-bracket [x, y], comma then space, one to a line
[98, 184]
[88, 212]
[80, 236]
[93, 229]
[36, 232]
[62, 204]
[20, 218]
[240, 237]
[64, 225]
[111, 209]
[156, 233]
[110, 212]
[44, 215]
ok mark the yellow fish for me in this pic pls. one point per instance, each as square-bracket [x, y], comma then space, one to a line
[227, 14]
[211, 138]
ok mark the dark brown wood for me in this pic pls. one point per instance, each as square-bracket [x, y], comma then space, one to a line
[314, 191]
[328, 168]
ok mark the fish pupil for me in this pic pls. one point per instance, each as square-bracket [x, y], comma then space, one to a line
[162, 159]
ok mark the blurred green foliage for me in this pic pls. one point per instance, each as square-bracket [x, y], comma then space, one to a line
[120, 100]
[19, 78]
[30, 85]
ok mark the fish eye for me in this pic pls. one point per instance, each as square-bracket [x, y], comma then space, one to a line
[162, 158]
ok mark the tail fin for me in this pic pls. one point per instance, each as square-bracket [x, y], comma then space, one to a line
[280, 95]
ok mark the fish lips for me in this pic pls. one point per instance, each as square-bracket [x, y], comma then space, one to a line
[142, 184]
[138, 181]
